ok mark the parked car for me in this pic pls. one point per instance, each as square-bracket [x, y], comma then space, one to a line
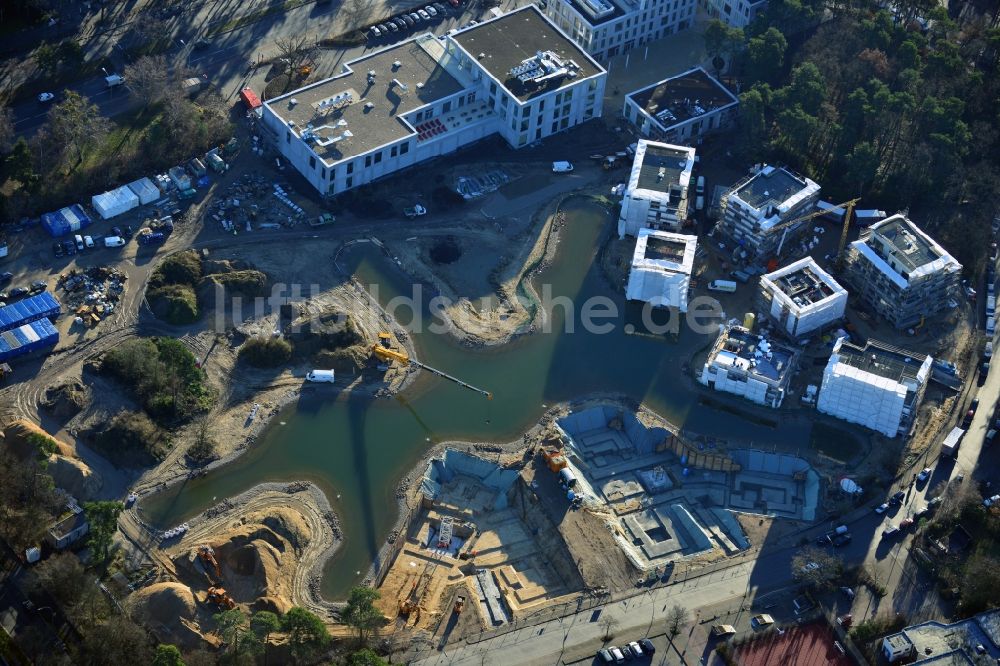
[890, 531]
[842, 540]
[967, 421]
[424, 15]
[116, 231]
[408, 20]
[88, 241]
[441, 9]
[723, 630]
[934, 503]
[57, 249]
[647, 646]
[617, 654]
[70, 247]
[6, 277]
[375, 32]
[431, 11]
[882, 508]
[761, 620]
[16, 293]
[898, 497]
[561, 167]
[991, 435]
[925, 474]
[605, 656]
[392, 26]
[39, 286]
[906, 522]
[984, 372]
[974, 405]
[78, 239]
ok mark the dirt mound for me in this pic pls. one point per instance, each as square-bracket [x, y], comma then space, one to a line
[276, 605]
[18, 432]
[169, 610]
[215, 266]
[65, 400]
[75, 477]
[347, 361]
[284, 522]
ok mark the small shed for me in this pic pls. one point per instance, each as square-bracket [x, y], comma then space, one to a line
[68, 529]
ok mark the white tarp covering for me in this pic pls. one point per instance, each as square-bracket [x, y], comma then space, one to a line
[658, 277]
[850, 487]
[114, 203]
[861, 397]
[145, 190]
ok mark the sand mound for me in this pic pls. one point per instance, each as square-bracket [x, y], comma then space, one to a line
[17, 433]
[286, 523]
[169, 609]
[65, 400]
[75, 477]
[276, 605]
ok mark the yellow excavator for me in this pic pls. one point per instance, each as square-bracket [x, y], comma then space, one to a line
[383, 351]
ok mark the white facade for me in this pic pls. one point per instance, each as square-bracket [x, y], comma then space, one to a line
[737, 13]
[682, 108]
[427, 97]
[656, 196]
[606, 28]
[749, 366]
[873, 387]
[802, 297]
[757, 213]
[661, 269]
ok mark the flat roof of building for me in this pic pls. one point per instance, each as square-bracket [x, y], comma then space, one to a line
[502, 44]
[770, 186]
[906, 243]
[962, 642]
[683, 97]
[660, 167]
[880, 359]
[762, 357]
[665, 251]
[341, 102]
[596, 12]
[804, 282]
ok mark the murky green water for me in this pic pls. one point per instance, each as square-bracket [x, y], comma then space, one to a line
[356, 449]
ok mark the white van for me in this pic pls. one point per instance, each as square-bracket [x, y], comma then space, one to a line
[88, 241]
[114, 241]
[561, 167]
[78, 239]
[727, 286]
[326, 376]
[699, 202]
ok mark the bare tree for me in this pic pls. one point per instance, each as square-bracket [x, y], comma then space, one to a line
[677, 617]
[294, 51]
[610, 624]
[147, 27]
[356, 13]
[6, 129]
[815, 566]
[147, 79]
[77, 123]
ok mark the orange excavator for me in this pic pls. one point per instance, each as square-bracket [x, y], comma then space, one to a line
[221, 598]
[207, 556]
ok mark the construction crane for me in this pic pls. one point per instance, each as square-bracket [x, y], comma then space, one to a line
[384, 352]
[848, 207]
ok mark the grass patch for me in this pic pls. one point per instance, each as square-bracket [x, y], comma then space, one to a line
[266, 352]
[246, 283]
[132, 439]
[253, 17]
[176, 304]
[834, 442]
[163, 375]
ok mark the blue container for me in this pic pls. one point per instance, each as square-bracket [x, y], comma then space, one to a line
[28, 338]
[65, 221]
[40, 306]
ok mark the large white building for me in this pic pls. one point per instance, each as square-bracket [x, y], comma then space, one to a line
[656, 195]
[758, 211]
[661, 269]
[901, 272]
[801, 298]
[516, 75]
[606, 28]
[737, 13]
[681, 109]
[877, 386]
[750, 366]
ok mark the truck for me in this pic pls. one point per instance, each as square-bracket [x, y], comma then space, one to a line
[727, 286]
[949, 449]
[164, 225]
[191, 86]
[415, 210]
[114, 80]
[150, 237]
[322, 376]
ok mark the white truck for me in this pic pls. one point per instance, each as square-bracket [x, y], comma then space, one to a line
[950, 446]
[321, 376]
[727, 286]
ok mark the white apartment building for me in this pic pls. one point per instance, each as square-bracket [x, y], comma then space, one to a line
[737, 13]
[901, 272]
[681, 109]
[750, 366]
[656, 196]
[877, 386]
[757, 213]
[661, 269]
[802, 298]
[516, 75]
[606, 28]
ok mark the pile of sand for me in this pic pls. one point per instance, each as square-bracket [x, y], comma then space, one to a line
[75, 477]
[168, 609]
[17, 433]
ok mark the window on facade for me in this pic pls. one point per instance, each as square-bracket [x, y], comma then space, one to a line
[312, 161]
[378, 157]
[349, 181]
[541, 106]
[618, 28]
[446, 107]
[538, 133]
[493, 89]
[405, 148]
[555, 126]
[322, 173]
[565, 110]
[471, 98]
[288, 137]
[564, 123]
[368, 160]
[393, 151]
[350, 168]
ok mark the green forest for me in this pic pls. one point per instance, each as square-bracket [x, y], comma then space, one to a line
[899, 104]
